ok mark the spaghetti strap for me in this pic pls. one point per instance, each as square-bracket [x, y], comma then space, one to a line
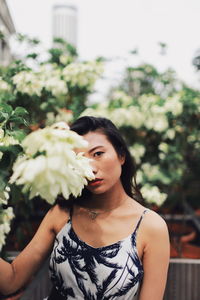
[138, 223]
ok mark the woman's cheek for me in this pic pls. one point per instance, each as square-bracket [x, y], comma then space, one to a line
[112, 165]
[109, 162]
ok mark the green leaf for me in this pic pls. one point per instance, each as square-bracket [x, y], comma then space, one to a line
[32, 55]
[5, 108]
[18, 120]
[19, 135]
[10, 154]
[15, 149]
[2, 117]
[20, 111]
[1, 35]
[2, 183]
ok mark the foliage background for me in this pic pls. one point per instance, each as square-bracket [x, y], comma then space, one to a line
[157, 114]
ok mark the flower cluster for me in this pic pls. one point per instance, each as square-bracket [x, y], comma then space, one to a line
[83, 74]
[122, 97]
[137, 151]
[152, 194]
[55, 80]
[63, 114]
[146, 112]
[33, 83]
[147, 116]
[50, 166]
[52, 80]
[28, 82]
[4, 86]
[153, 173]
[6, 140]
[6, 215]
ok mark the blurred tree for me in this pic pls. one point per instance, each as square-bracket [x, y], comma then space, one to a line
[35, 92]
[159, 117]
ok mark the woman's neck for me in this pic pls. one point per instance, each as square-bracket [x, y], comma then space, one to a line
[109, 200]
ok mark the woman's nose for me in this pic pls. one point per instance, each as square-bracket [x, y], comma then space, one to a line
[94, 167]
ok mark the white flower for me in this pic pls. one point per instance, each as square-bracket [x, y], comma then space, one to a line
[121, 95]
[1, 133]
[99, 112]
[65, 59]
[170, 133]
[158, 122]
[6, 141]
[60, 125]
[4, 86]
[150, 170]
[56, 86]
[50, 166]
[162, 156]
[50, 78]
[164, 147]
[137, 118]
[153, 173]
[83, 74]
[4, 196]
[152, 194]
[6, 215]
[139, 177]
[120, 116]
[28, 82]
[127, 117]
[157, 110]
[137, 151]
[1, 141]
[9, 140]
[174, 105]
[63, 115]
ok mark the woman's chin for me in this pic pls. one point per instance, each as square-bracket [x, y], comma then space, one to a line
[96, 190]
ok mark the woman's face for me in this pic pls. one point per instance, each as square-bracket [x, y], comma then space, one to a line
[106, 163]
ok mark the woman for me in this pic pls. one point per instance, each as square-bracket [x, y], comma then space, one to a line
[105, 243]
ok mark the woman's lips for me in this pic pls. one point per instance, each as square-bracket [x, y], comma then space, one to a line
[95, 182]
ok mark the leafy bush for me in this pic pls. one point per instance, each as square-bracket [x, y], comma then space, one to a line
[159, 117]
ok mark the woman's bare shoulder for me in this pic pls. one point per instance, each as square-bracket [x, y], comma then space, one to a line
[58, 216]
[153, 223]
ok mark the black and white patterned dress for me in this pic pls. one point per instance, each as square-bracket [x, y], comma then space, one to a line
[80, 271]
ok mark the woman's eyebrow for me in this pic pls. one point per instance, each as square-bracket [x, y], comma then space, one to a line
[94, 148]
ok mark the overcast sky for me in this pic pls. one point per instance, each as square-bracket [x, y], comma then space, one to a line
[114, 27]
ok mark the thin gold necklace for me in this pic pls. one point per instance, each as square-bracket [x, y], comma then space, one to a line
[93, 214]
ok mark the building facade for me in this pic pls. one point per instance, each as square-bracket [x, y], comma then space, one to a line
[65, 23]
[7, 28]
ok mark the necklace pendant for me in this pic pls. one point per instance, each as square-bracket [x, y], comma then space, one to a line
[93, 214]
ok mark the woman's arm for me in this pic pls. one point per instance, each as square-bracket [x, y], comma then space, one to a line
[15, 275]
[155, 258]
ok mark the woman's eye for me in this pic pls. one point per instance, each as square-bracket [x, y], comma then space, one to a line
[97, 154]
